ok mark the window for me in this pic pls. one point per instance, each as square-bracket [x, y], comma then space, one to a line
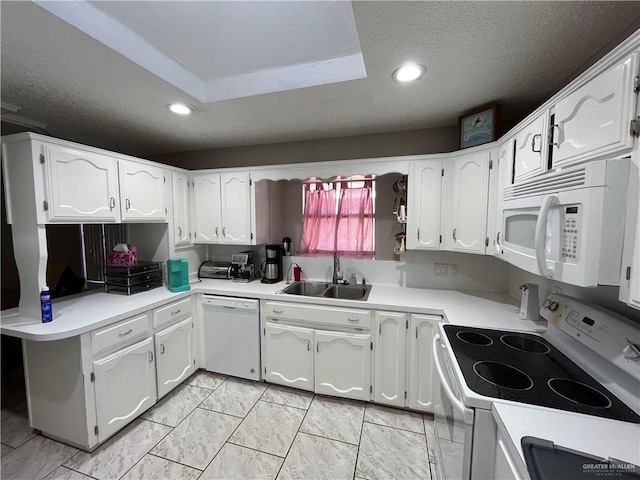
[338, 216]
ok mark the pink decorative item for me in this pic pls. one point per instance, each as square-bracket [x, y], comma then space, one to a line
[123, 259]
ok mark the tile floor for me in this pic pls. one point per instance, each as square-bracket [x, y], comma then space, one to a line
[214, 427]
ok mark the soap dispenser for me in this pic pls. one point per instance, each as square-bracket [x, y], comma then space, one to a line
[529, 302]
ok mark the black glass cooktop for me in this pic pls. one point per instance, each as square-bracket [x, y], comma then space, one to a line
[526, 368]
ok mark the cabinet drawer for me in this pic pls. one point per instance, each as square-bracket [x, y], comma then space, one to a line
[172, 313]
[120, 334]
[346, 317]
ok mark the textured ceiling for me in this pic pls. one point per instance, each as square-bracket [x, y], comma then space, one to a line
[515, 53]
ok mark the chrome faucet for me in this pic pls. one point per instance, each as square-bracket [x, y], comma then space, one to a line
[337, 274]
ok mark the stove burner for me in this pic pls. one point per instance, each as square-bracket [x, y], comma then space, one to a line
[502, 375]
[474, 338]
[572, 391]
[524, 344]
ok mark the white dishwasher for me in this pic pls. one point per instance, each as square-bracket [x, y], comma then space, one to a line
[232, 336]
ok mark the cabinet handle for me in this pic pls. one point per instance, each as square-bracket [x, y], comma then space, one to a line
[176, 312]
[125, 333]
[418, 234]
[179, 231]
[127, 204]
[112, 203]
[150, 357]
[162, 348]
[277, 311]
[308, 345]
[498, 239]
[216, 231]
[455, 231]
[416, 332]
[551, 142]
[223, 232]
[380, 329]
[533, 143]
[318, 347]
[353, 319]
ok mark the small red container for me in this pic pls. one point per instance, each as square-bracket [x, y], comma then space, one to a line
[296, 273]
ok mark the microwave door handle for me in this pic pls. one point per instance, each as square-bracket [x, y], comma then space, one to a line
[541, 235]
[457, 404]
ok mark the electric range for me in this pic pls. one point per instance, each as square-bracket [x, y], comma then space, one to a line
[587, 361]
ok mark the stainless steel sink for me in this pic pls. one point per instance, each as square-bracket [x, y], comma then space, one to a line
[329, 290]
[348, 292]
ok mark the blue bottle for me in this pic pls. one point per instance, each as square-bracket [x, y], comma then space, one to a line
[45, 305]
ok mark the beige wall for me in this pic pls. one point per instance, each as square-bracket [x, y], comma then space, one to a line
[410, 142]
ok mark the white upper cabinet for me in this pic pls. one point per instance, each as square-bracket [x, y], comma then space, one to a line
[465, 191]
[343, 364]
[142, 190]
[423, 218]
[630, 275]
[83, 187]
[390, 340]
[594, 120]
[206, 208]
[181, 220]
[236, 208]
[531, 149]
[500, 176]
[288, 356]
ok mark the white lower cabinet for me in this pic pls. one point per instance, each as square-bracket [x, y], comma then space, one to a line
[424, 385]
[342, 364]
[125, 386]
[389, 358]
[175, 356]
[289, 355]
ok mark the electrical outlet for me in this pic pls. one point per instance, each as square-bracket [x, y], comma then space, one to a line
[440, 269]
[453, 268]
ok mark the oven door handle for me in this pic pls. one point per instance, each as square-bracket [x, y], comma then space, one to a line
[541, 235]
[444, 381]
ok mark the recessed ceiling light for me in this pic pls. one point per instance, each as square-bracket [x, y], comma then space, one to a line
[180, 108]
[408, 72]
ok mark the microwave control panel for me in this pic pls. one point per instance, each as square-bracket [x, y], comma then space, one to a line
[571, 227]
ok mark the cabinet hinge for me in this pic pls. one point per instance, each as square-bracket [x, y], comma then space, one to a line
[442, 172]
[265, 370]
[370, 388]
[164, 179]
[405, 394]
[371, 345]
[95, 429]
[264, 332]
[251, 235]
[634, 127]
[194, 361]
[490, 164]
[92, 377]
[250, 182]
[45, 205]
[165, 210]
[407, 324]
[628, 274]
[42, 158]
[636, 83]
[440, 238]
[486, 242]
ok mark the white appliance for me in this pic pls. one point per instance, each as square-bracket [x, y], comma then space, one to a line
[568, 225]
[232, 336]
[586, 362]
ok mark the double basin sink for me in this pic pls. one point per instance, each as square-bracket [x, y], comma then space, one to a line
[329, 290]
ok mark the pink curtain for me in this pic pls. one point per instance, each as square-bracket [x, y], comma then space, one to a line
[348, 231]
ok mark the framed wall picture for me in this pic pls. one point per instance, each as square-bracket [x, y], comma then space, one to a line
[478, 126]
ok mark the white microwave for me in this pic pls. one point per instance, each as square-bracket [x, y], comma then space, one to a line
[568, 224]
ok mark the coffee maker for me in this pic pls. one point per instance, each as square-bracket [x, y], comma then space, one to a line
[273, 264]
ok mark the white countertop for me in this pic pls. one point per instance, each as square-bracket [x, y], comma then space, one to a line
[595, 436]
[85, 312]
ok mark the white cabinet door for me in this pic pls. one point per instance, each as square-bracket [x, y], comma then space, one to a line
[83, 187]
[531, 149]
[206, 208]
[466, 188]
[423, 217]
[125, 384]
[236, 208]
[503, 172]
[343, 364]
[142, 192]
[424, 385]
[175, 358]
[289, 356]
[181, 224]
[630, 275]
[389, 352]
[594, 120]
